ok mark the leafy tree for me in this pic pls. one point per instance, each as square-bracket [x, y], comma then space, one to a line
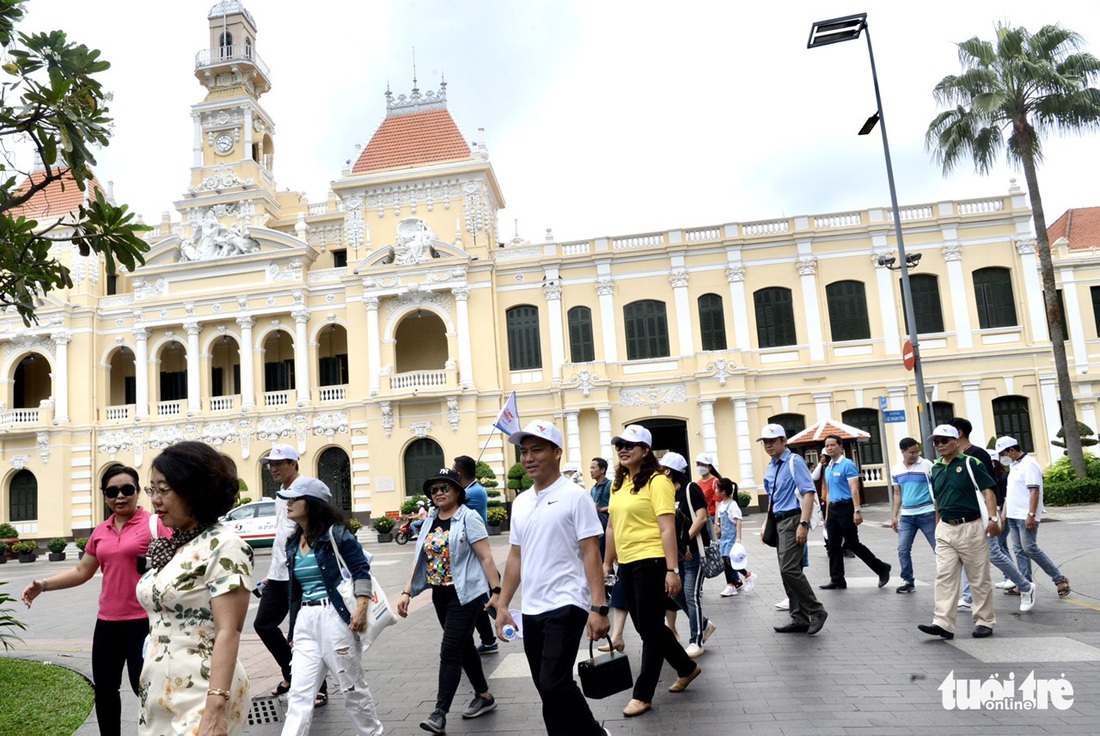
[485, 475]
[51, 101]
[518, 480]
[1025, 85]
[1088, 437]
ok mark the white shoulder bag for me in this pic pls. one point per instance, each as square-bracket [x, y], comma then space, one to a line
[379, 613]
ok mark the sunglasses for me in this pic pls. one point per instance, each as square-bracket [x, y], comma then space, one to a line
[940, 440]
[127, 490]
[625, 446]
[439, 489]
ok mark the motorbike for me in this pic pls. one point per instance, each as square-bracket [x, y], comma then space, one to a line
[404, 532]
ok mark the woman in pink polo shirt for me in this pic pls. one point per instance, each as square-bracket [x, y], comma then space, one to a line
[117, 545]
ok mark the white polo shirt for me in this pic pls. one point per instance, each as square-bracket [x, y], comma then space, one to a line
[1023, 474]
[547, 527]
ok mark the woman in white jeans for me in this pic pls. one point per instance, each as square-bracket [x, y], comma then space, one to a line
[323, 632]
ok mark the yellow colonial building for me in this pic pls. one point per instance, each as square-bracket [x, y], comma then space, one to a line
[381, 329]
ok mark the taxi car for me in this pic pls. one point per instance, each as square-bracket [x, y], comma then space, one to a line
[253, 522]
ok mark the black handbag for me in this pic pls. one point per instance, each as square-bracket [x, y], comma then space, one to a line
[604, 675]
[770, 536]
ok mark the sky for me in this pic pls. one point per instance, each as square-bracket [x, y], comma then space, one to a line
[601, 117]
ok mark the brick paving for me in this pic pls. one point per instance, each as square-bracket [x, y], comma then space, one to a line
[869, 672]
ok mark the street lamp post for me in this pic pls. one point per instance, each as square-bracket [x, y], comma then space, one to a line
[849, 28]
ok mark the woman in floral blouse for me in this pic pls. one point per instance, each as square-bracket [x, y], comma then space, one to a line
[196, 593]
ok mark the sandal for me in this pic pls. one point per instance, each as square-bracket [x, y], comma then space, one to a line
[1012, 591]
[1063, 587]
[320, 699]
[281, 689]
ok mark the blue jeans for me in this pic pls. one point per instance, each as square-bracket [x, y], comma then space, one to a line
[1027, 549]
[690, 597]
[1002, 562]
[908, 526]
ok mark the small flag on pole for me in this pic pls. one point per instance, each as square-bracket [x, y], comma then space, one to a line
[508, 419]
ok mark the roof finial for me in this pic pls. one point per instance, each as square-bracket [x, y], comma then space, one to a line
[415, 90]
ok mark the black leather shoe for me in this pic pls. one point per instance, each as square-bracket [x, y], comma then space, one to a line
[834, 586]
[792, 628]
[884, 577]
[816, 622]
[936, 630]
[981, 632]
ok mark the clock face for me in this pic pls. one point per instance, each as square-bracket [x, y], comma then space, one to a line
[223, 143]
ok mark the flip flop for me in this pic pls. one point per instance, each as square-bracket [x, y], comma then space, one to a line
[1063, 587]
[320, 699]
[281, 689]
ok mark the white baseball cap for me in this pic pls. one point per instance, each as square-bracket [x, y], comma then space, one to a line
[303, 486]
[675, 461]
[1005, 443]
[635, 433]
[739, 557]
[704, 459]
[772, 432]
[280, 452]
[571, 468]
[539, 428]
[945, 430]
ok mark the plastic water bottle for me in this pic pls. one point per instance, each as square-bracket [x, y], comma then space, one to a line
[509, 632]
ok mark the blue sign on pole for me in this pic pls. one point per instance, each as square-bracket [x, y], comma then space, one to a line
[882, 403]
[894, 416]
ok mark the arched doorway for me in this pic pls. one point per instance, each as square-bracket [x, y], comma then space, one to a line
[334, 470]
[421, 343]
[267, 484]
[23, 497]
[31, 384]
[669, 435]
[422, 459]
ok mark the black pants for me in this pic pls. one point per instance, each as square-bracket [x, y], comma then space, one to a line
[273, 610]
[843, 534]
[484, 626]
[551, 641]
[457, 651]
[114, 644]
[644, 588]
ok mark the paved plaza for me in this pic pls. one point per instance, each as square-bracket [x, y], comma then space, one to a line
[869, 672]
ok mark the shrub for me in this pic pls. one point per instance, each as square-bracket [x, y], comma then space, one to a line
[4, 548]
[497, 515]
[56, 545]
[1065, 492]
[24, 548]
[355, 525]
[409, 507]
[81, 543]
[743, 499]
[1088, 437]
[518, 480]
[8, 622]
[383, 525]
[485, 475]
[7, 531]
[1061, 470]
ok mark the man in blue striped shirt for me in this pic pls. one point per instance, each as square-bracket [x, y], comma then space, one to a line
[913, 507]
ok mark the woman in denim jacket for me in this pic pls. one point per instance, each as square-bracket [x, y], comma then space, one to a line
[453, 558]
[323, 632]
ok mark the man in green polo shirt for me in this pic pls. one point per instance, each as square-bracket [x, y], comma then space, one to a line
[960, 536]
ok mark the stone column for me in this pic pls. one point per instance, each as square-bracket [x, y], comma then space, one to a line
[552, 292]
[679, 280]
[248, 378]
[973, 399]
[1048, 398]
[706, 419]
[246, 149]
[957, 301]
[194, 367]
[1075, 326]
[141, 372]
[301, 355]
[807, 272]
[744, 442]
[465, 348]
[374, 345]
[572, 437]
[742, 337]
[1033, 289]
[605, 288]
[603, 416]
[888, 298]
[896, 430]
[823, 405]
[61, 340]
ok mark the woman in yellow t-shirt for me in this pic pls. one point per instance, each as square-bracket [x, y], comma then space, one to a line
[642, 536]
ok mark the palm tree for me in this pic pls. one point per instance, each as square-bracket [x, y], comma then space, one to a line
[1025, 85]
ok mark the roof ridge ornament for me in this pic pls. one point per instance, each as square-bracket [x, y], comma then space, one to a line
[416, 101]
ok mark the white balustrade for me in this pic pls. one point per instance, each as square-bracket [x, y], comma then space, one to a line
[639, 241]
[277, 398]
[119, 413]
[222, 403]
[418, 379]
[575, 249]
[19, 416]
[318, 209]
[333, 393]
[170, 408]
[978, 206]
[922, 212]
[704, 233]
[844, 220]
[766, 228]
[873, 473]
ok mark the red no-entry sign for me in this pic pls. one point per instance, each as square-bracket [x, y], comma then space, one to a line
[908, 357]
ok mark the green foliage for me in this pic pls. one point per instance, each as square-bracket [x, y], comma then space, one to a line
[8, 624]
[1063, 493]
[24, 548]
[483, 472]
[355, 525]
[743, 499]
[81, 543]
[409, 507]
[1088, 437]
[1061, 470]
[61, 115]
[383, 525]
[56, 545]
[4, 548]
[42, 699]
[518, 480]
[7, 531]
[497, 515]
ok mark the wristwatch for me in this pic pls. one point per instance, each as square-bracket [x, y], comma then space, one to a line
[602, 610]
[995, 519]
[495, 591]
[804, 523]
[673, 570]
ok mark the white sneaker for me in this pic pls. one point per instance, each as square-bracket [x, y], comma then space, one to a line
[750, 582]
[729, 591]
[712, 627]
[963, 605]
[694, 650]
[784, 605]
[1005, 584]
[1027, 600]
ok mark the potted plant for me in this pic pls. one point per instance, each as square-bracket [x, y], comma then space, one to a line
[355, 525]
[3, 552]
[743, 500]
[384, 526]
[81, 543]
[25, 550]
[497, 516]
[57, 546]
[8, 534]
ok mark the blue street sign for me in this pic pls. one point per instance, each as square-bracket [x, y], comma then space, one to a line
[894, 416]
[882, 403]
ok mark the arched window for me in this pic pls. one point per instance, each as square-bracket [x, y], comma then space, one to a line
[225, 41]
[582, 346]
[248, 48]
[993, 293]
[1012, 418]
[848, 311]
[926, 303]
[524, 344]
[712, 322]
[646, 329]
[774, 317]
[23, 497]
[792, 424]
[334, 470]
[423, 459]
[942, 411]
[870, 452]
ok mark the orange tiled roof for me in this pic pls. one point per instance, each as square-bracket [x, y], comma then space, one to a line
[818, 432]
[413, 140]
[1081, 227]
[60, 198]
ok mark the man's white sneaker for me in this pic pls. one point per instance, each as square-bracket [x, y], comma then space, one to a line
[1027, 599]
[694, 650]
[784, 605]
[963, 605]
[1005, 585]
[750, 582]
[729, 591]
[712, 627]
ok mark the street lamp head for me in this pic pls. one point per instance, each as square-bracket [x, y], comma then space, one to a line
[869, 125]
[835, 30]
[913, 259]
[887, 261]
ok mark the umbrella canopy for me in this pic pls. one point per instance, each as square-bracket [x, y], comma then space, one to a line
[817, 432]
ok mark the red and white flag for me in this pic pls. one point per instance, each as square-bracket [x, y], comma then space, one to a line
[508, 419]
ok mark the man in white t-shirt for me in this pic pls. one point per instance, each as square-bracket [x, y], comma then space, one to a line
[1024, 511]
[555, 551]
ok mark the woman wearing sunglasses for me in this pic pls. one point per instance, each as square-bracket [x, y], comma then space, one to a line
[453, 558]
[116, 545]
